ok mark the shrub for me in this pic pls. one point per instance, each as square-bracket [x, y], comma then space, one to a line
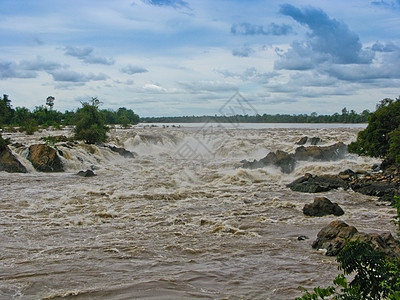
[90, 123]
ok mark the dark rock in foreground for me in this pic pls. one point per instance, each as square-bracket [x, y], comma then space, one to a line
[334, 237]
[87, 173]
[321, 207]
[316, 184]
[45, 159]
[9, 163]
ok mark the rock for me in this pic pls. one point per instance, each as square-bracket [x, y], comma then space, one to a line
[9, 163]
[372, 188]
[315, 184]
[302, 141]
[334, 237]
[87, 173]
[321, 207]
[303, 238]
[281, 159]
[45, 159]
[333, 152]
[315, 141]
[121, 151]
[17, 145]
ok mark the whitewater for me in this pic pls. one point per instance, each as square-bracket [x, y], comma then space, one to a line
[181, 220]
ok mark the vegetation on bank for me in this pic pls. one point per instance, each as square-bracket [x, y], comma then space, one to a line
[381, 138]
[345, 117]
[89, 120]
[45, 115]
[375, 276]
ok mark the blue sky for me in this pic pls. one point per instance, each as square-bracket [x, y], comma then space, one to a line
[183, 57]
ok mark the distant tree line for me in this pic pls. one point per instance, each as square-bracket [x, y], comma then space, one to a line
[45, 115]
[345, 117]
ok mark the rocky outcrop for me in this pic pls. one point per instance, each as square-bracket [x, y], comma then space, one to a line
[281, 159]
[45, 159]
[312, 153]
[321, 207]
[9, 163]
[314, 184]
[287, 161]
[121, 151]
[334, 237]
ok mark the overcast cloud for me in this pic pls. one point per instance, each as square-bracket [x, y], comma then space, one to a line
[183, 57]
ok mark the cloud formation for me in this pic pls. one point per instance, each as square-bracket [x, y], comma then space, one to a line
[76, 77]
[250, 29]
[245, 51]
[329, 40]
[86, 55]
[171, 3]
[387, 4]
[131, 70]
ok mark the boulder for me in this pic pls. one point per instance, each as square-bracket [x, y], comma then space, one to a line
[377, 188]
[121, 151]
[321, 207]
[281, 159]
[302, 141]
[315, 141]
[315, 184]
[333, 152]
[334, 237]
[87, 173]
[45, 159]
[9, 163]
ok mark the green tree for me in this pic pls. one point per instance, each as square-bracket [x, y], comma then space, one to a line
[380, 137]
[90, 123]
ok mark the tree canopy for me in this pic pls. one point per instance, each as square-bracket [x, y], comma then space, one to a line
[381, 138]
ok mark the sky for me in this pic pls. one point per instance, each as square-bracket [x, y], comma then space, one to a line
[184, 57]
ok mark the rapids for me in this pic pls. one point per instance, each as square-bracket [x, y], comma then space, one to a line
[181, 220]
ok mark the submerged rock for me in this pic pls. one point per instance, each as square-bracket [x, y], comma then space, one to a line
[321, 207]
[302, 141]
[334, 237]
[87, 173]
[45, 159]
[315, 184]
[9, 163]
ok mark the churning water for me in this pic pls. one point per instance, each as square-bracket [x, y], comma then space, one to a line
[181, 220]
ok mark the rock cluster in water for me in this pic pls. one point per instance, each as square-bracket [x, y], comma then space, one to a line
[385, 184]
[287, 161]
[45, 158]
[335, 236]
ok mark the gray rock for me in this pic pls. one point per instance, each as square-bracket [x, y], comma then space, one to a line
[321, 207]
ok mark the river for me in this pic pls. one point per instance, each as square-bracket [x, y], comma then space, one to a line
[181, 220]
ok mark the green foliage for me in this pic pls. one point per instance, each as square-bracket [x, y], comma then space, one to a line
[345, 117]
[375, 276]
[3, 143]
[382, 135]
[30, 126]
[90, 123]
